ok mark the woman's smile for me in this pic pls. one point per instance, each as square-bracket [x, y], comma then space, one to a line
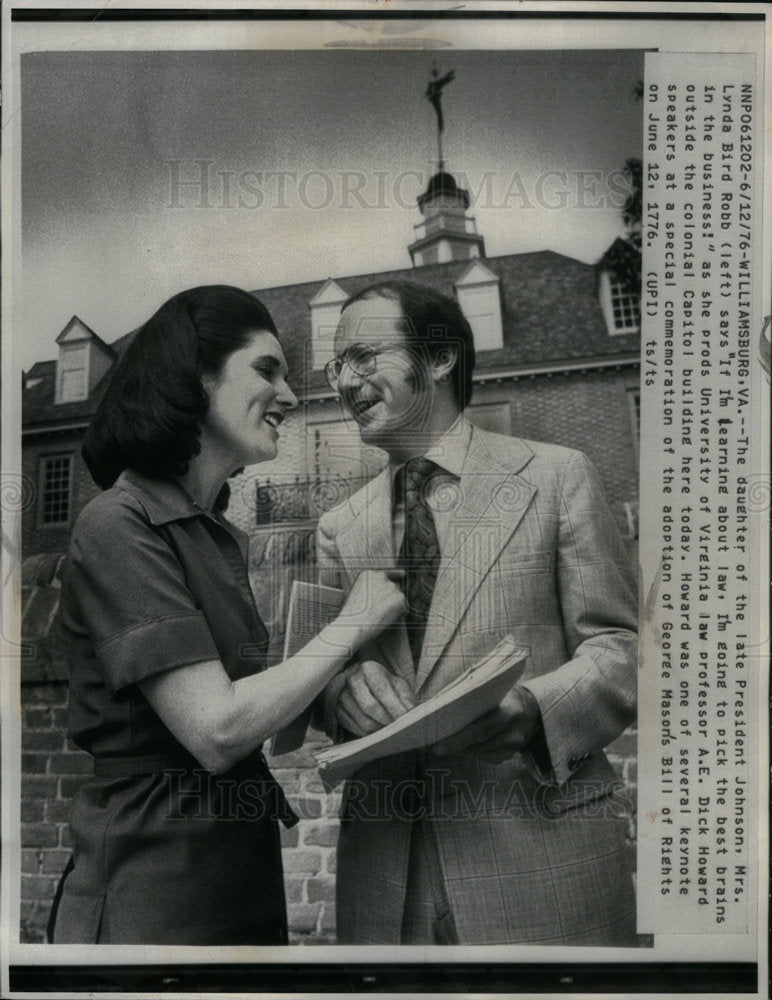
[252, 381]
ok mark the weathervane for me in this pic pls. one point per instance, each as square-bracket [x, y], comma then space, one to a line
[434, 93]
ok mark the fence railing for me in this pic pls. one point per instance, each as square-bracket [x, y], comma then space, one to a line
[301, 500]
[305, 500]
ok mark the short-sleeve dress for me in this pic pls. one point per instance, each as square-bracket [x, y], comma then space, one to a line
[164, 852]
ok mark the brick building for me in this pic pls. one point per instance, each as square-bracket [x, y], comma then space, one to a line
[557, 360]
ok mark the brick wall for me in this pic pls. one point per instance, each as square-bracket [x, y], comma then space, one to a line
[52, 770]
[309, 847]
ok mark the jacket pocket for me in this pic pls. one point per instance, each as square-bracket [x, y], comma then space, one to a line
[527, 562]
[596, 788]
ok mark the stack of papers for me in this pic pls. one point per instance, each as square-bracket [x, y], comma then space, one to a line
[465, 699]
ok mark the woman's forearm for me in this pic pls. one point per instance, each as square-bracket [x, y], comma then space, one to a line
[220, 721]
[262, 704]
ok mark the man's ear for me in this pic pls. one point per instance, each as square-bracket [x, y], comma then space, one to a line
[443, 363]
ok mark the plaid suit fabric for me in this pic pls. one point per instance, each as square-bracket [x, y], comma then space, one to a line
[526, 857]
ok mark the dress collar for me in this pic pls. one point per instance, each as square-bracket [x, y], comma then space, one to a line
[163, 499]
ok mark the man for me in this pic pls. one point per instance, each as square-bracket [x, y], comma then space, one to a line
[509, 831]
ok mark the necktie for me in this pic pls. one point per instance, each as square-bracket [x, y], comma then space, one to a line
[419, 554]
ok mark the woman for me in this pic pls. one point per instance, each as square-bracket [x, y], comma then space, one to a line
[176, 838]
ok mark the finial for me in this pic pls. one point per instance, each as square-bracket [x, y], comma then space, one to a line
[434, 94]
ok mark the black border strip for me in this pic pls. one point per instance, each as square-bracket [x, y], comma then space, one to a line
[196, 14]
[463, 978]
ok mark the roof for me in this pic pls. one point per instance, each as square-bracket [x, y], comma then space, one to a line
[440, 184]
[624, 259]
[550, 313]
[38, 406]
[76, 323]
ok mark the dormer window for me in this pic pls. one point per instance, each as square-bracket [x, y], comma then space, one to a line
[84, 359]
[621, 309]
[479, 295]
[618, 286]
[326, 307]
[71, 373]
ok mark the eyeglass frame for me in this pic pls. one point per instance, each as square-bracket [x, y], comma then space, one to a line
[363, 371]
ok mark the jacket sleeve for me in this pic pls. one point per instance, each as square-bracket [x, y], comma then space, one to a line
[330, 569]
[588, 701]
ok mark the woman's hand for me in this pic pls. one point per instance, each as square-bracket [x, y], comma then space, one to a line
[375, 601]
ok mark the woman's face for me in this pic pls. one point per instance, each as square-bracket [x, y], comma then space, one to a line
[247, 403]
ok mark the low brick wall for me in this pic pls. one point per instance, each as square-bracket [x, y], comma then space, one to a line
[308, 851]
[52, 771]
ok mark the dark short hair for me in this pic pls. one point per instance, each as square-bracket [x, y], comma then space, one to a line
[433, 322]
[150, 415]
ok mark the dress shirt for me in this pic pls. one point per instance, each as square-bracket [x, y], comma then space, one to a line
[449, 453]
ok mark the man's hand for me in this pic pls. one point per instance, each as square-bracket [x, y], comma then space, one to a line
[371, 697]
[500, 733]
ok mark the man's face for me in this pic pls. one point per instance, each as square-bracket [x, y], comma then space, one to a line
[391, 401]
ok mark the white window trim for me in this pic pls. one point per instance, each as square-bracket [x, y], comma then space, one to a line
[487, 326]
[326, 307]
[606, 296]
[60, 371]
[43, 461]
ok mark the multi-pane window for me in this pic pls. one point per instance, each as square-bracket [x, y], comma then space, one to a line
[625, 309]
[55, 489]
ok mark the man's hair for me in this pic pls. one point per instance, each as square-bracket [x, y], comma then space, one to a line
[431, 322]
[150, 415]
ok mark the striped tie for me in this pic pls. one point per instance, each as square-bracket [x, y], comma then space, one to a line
[419, 554]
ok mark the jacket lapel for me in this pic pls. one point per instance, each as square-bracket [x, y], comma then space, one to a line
[492, 502]
[367, 542]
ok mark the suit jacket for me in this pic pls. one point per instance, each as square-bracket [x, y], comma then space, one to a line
[526, 855]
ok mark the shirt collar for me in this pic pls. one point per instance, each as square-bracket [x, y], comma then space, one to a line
[164, 500]
[449, 452]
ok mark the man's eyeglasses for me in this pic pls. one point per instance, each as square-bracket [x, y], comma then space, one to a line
[361, 359]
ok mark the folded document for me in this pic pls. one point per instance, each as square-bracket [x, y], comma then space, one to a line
[465, 699]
